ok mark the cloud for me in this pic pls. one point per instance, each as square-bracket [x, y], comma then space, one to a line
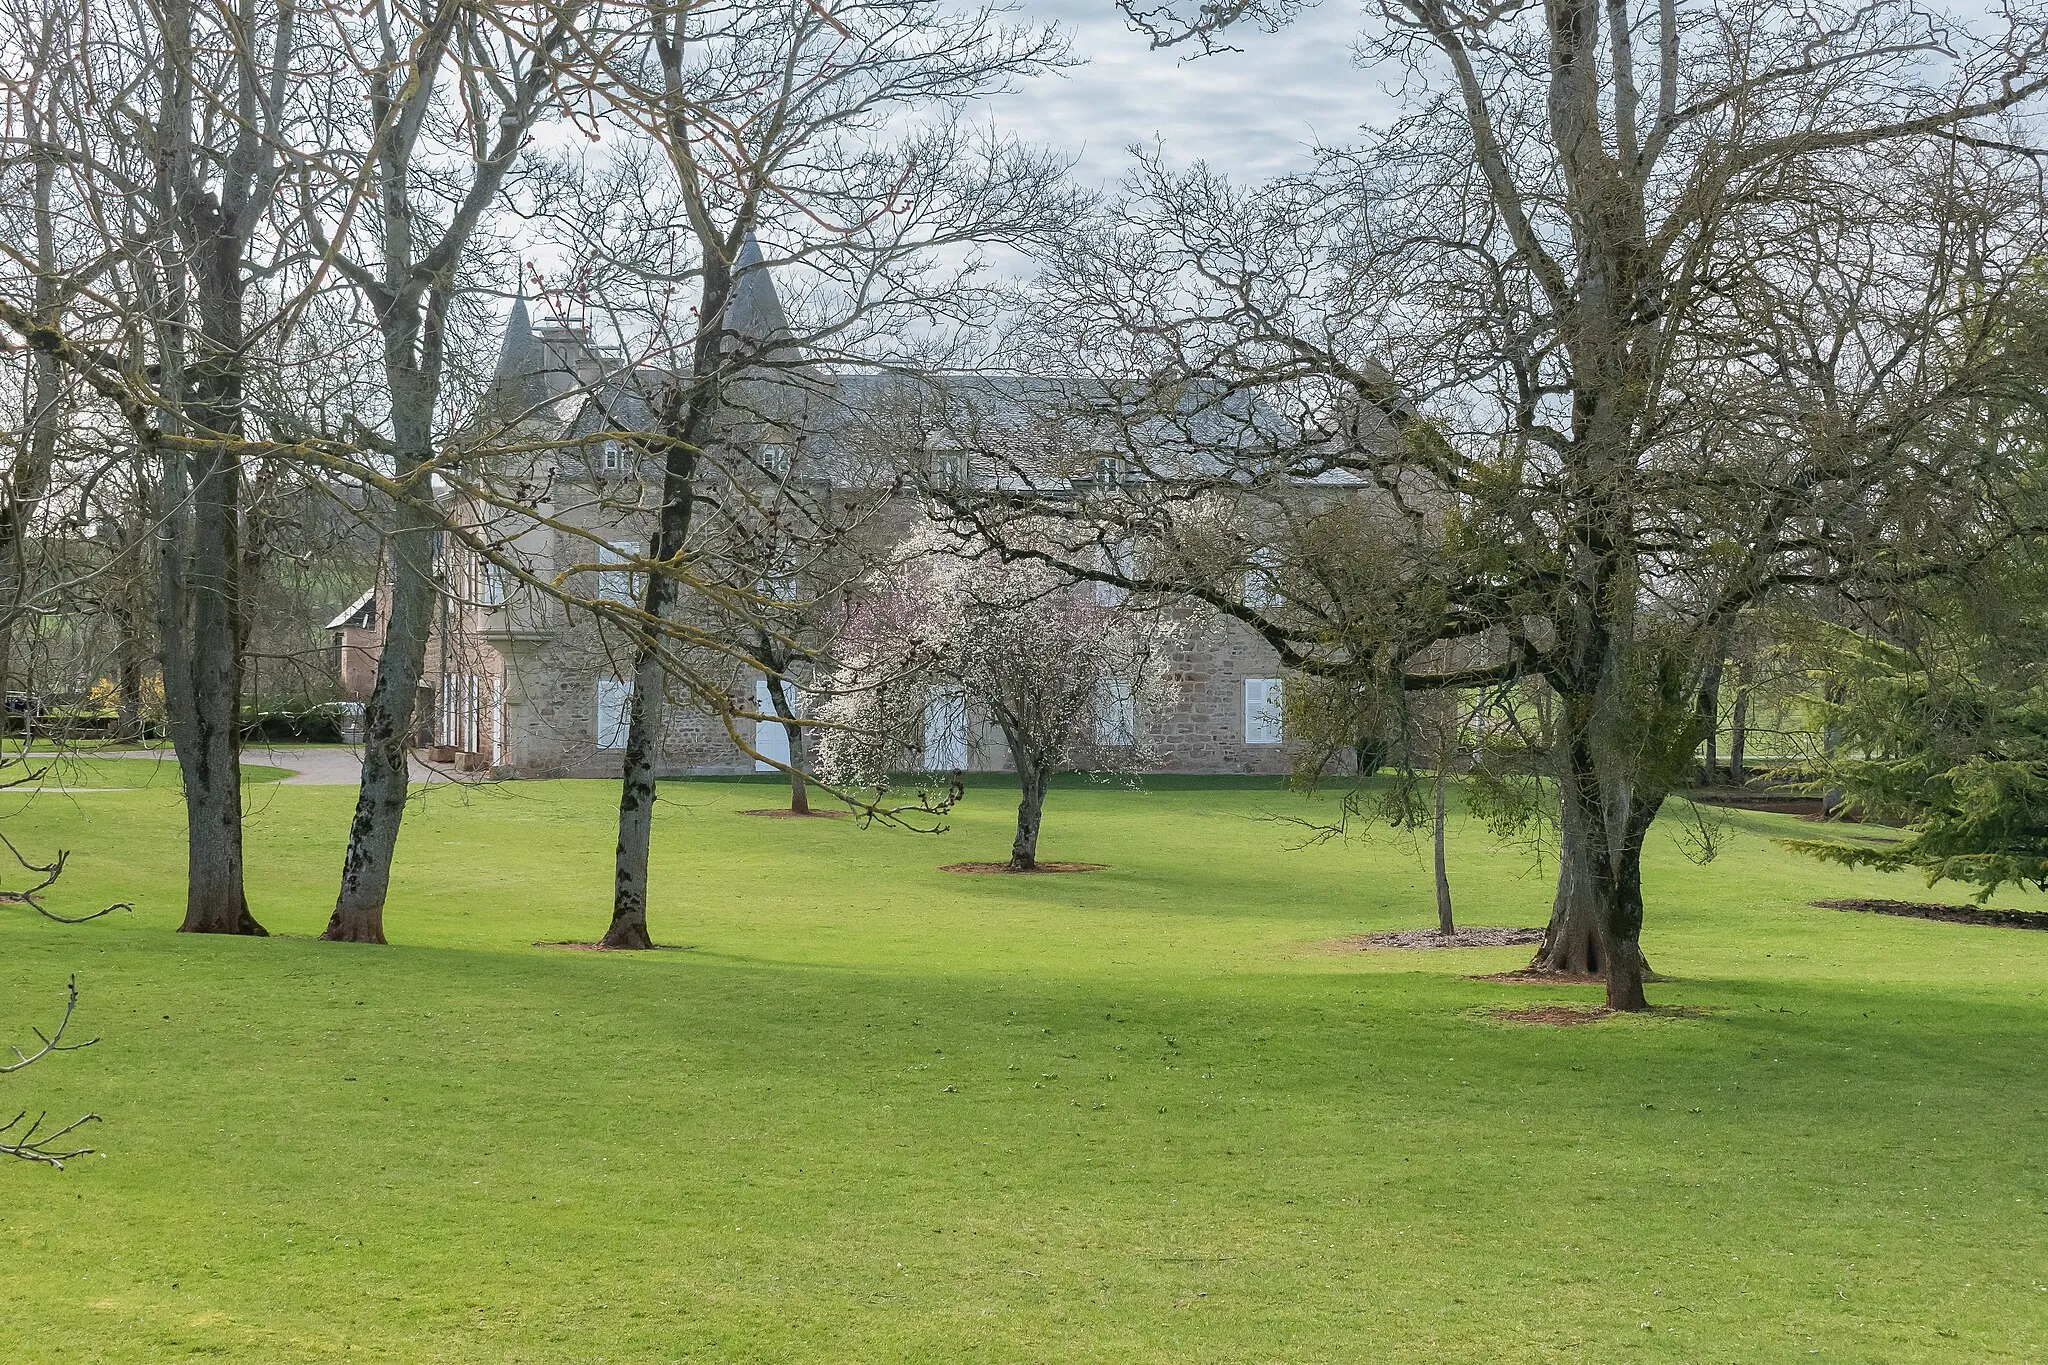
[1250, 113]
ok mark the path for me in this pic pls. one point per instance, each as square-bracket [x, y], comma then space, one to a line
[325, 766]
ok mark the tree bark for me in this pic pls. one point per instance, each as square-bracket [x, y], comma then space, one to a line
[1031, 784]
[199, 582]
[628, 927]
[197, 598]
[358, 915]
[1571, 942]
[799, 790]
[1710, 721]
[1444, 924]
[689, 411]
[1738, 738]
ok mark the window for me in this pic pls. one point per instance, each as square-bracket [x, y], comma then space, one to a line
[948, 470]
[1262, 580]
[1116, 715]
[1120, 557]
[617, 585]
[771, 737]
[614, 712]
[1109, 469]
[1263, 701]
[945, 730]
[460, 707]
[611, 459]
[775, 461]
[490, 584]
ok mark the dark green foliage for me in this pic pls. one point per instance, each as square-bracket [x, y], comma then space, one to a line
[1959, 753]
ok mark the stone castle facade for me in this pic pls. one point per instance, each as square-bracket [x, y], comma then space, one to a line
[521, 684]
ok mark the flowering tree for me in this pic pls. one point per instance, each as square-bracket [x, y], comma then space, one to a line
[949, 626]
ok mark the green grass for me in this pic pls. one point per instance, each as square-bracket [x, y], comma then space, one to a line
[72, 770]
[881, 1113]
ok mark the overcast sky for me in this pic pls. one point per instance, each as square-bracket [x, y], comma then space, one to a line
[1250, 113]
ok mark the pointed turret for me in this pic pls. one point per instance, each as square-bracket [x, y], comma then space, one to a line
[520, 381]
[754, 311]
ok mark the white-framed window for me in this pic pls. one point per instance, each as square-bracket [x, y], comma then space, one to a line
[616, 585]
[945, 730]
[948, 470]
[497, 718]
[1262, 580]
[1120, 557]
[614, 712]
[1264, 713]
[611, 458]
[775, 460]
[490, 583]
[1109, 469]
[1116, 715]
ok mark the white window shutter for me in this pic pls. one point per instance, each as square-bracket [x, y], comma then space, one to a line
[945, 730]
[1263, 700]
[1116, 717]
[614, 712]
[617, 585]
[771, 740]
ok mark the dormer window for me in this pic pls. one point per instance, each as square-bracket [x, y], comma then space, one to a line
[775, 461]
[1109, 469]
[611, 458]
[948, 470]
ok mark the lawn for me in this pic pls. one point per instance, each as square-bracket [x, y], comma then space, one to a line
[69, 770]
[882, 1113]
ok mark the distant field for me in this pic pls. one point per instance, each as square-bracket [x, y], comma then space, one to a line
[877, 1112]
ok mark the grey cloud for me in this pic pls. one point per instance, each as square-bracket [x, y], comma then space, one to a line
[1251, 113]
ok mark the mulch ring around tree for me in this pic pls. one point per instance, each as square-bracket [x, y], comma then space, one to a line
[785, 813]
[1570, 1016]
[1948, 914]
[1482, 936]
[979, 868]
[574, 946]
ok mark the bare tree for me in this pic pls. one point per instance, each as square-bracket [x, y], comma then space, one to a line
[454, 85]
[810, 125]
[1643, 303]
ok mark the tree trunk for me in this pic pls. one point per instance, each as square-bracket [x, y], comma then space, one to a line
[687, 421]
[1443, 876]
[1738, 738]
[1571, 942]
[1623, 926]
[202, 694]
[1835, 693]
[628, 928]
[1574, 943]
[1613, 824]
[387, 719]
[199, 560]
[1710, 722]
[127, 694]
[799, 791]
[1031, 782]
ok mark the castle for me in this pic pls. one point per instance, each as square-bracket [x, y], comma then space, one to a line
[521, 684]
